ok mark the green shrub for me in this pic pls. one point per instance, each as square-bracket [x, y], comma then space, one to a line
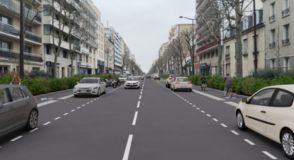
[5, 79]
[37, 86]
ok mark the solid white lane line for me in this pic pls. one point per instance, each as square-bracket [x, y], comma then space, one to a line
[233, 104]
[16, 138]
[32, 131]
[46, 103]
[235, 133]
[128, 147]
[216, 120]
[208, 95]
[208, 115]
[135, 118]
[65, 114]
[249, 142]
[73, 110]
[66, 97]
[57, 118]
[138, 105]
[47, 123]
[269, 155]
[225, 126]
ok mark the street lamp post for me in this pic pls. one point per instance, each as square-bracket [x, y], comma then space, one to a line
[193, 43]
[255, 53]
[21, 40]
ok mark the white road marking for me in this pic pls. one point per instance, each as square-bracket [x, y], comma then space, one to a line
[65, 114]
[235, 133]
[233, 104]
[138, 105]
[78, 107]
[194, 106]
[208, 95]
[73, 110]
[135, 118]
[16, 138]
[269, 155]
[216, 120]
[66, 97]
[225, 126]
[202, 111]
[198, 108]
[128, 147]
[208, 115]
[88, 103]
[83, 105]
[191, 104]
[32, 131]
[249, 142]
[47, 123]
[57, 118]
[46, 103]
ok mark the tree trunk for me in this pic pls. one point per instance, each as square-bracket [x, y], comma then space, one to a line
[192, 60]
[220, 54]
[238, 48]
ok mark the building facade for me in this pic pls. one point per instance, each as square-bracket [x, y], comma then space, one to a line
[279, 33]
[109, 53]
[100, 56]
[10, 34]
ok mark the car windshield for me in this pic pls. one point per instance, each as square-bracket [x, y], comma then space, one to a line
[89, 80]
[132, 78]
[182, 79]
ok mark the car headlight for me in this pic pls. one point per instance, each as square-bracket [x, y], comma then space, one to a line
[95, 88]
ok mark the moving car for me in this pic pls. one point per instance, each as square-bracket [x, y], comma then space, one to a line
[18, 108]
[90, 86]
[270, 112]
[132, 82]
[181, 83]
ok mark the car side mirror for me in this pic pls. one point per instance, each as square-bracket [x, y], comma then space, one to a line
[244, 100]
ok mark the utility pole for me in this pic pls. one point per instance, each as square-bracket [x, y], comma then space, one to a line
[255, 52]
[21, 39]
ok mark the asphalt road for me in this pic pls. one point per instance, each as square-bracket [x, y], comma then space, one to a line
[152, 123]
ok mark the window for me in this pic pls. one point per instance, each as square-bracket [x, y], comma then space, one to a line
[47, 30]
[286, 64]
[273, 37]
[5, 20]
[48, 49]
[64, 54]
[272, 63]
[4, 45]
[16, 93]
[87, 59]
[286, 32]
[263, 97]
[28, 49]
[285, 4]
[4, 98]
[283, 99]
[245, 46]
[28, 28]
[273, 9]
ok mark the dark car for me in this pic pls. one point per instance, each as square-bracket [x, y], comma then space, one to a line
[18, 108]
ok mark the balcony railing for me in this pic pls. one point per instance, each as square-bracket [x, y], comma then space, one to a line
[272, 18]
[272, 45]
[286, 12]
[286, 42]
[7, 53]
[7, 28]
[33, 37]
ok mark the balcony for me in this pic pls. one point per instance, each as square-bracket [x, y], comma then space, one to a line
[11, 54]
[33, 37]
[228, 57]
[272, 45]
[245, 54]
[272, 18]
[286, 42]
[9, 29]
[286, 12]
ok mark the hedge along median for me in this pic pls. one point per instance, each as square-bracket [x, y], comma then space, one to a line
[244, 86]
[46, 85]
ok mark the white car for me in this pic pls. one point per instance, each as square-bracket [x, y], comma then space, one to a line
[132, 82]
[90, 86]
[181, 83]
[270, 112]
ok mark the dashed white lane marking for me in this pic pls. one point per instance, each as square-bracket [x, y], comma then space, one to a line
[135, 118]
[202, 111]
[198, 108]
[128, 147]
[225, 126]
[73, 110]
[235, 133]
[194, 106]
[47, 123]
[208, 95]
[88, 103]
[16, 138]
[66, 97]
[214, 119]
[208, 115]
[57, 118]
[78, 107]
[138, 105]
[249, 142]
[46, 103]
[34, 130]
[269, 155]
[65, 114]
[233, 104]
[83, 105]
[140, 97]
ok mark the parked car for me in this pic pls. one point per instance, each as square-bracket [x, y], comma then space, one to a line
[181, 83]
[18, 108]
[132, 82]
[270, 112]
[90, 86]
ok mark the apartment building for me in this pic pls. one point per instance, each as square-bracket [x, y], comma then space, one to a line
[228, 59]
[206, 46]
[279, 33]
[109, 53]
[10, 31]
[100, 56]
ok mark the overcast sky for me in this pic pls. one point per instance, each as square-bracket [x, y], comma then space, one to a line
[144, 24]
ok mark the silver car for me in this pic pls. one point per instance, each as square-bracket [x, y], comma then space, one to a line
[18, 108]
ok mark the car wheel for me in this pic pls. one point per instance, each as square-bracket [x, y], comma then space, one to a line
[98, 93]
[240, 121]
[287, 142]
[75, 95]
[33, 120]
